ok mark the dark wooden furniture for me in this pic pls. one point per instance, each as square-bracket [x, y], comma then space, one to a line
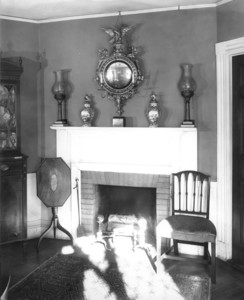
[13, 171]
[13, 164]
[189, 223]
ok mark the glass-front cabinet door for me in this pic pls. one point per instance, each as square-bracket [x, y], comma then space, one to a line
[10, 72]
[8, 121]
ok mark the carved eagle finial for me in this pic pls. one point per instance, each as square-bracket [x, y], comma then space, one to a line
[124, 30]
[117, 34]
[113, 33]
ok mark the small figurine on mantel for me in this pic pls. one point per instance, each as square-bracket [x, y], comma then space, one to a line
[153, 112]
[87, 113]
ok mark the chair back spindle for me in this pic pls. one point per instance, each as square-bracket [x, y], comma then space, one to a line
[190, 192]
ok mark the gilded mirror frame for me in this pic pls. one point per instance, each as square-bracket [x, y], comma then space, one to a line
[125, 60]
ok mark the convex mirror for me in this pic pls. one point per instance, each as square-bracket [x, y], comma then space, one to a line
[118, 73]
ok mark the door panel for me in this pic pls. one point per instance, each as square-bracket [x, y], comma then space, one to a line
[238, 160]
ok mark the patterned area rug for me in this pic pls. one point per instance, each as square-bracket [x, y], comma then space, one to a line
[193, 287]
[97, 273]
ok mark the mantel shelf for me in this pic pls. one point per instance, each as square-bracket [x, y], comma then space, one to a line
[160, 149]
[138, 129]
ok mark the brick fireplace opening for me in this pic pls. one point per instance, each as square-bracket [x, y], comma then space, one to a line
[91, 182]
[121, 202]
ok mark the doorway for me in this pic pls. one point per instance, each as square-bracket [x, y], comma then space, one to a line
[225, 51]
[238, 160]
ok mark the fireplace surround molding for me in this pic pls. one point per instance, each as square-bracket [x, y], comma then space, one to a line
[151, 152]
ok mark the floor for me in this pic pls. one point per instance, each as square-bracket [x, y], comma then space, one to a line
[20, 259]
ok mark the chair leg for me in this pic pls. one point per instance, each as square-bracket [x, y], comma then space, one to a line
[176, 250]
[213, 263]
[206, 250]
[159, 250]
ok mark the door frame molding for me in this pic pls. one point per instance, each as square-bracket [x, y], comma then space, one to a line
[224, 53]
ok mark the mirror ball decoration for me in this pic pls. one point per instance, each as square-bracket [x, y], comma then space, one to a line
[118, 71]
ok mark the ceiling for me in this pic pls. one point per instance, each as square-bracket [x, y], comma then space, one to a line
[44, 10]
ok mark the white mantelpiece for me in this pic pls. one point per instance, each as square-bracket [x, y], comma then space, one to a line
[123, 150]
[154, 150]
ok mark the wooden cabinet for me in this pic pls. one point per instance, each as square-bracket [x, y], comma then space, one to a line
[13, 164]
[13, 198]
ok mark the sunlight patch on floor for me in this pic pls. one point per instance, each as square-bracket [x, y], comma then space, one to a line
[102, 290]
[67, 250]
[138, 278]
[95, 251]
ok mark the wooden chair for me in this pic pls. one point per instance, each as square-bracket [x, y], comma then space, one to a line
[189, 222]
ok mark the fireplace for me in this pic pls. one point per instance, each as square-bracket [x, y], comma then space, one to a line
[122, 205]
[124, 200]
[129, 157]
[91, 198]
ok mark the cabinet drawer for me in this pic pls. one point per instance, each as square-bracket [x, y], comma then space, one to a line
[11, 167]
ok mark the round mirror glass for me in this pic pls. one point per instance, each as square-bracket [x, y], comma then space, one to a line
[118, 75]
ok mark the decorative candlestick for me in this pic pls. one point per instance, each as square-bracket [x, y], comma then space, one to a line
[187, 87]
[61, 89]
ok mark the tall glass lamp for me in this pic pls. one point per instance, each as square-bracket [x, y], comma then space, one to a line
[61, 90]
[187, 87]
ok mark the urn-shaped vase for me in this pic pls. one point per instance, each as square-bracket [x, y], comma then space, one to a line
[87, 113]
[153, 112]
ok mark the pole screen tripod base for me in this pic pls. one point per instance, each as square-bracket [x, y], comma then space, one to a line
[56, 225]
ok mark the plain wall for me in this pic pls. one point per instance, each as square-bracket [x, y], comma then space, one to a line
[230, 21]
